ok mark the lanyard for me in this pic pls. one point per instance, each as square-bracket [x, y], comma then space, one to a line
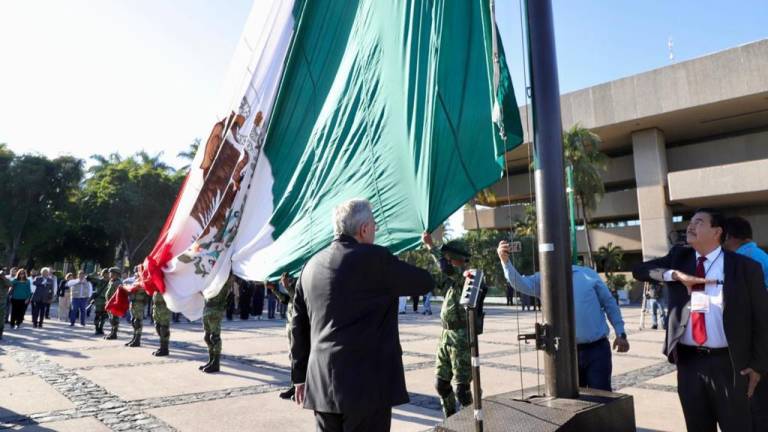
[713, 263]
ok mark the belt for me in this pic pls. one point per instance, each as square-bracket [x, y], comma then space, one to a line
[590, 344]
[701, 350]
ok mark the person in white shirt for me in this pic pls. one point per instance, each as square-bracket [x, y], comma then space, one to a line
[720, 352]
[80, 291]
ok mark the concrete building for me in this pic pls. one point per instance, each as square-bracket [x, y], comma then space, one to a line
[688, 135]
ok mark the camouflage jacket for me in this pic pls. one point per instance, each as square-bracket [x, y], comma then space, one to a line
[139, 297]
[216, 305]
[449, 283]
[112, 285]
[99, 292]
[287, 299]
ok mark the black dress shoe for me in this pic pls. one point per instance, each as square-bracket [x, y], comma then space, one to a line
[288, 394]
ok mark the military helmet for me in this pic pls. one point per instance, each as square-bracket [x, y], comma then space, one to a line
[114, 270]
[456, 249]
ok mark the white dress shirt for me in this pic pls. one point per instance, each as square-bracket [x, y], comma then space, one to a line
[713, 270]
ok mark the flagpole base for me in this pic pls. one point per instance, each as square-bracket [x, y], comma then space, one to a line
[592, 410]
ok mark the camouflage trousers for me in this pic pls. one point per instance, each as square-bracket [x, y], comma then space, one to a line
[137, 317]
[114, 322]
[99, 317]
[453, 363]
[164, 332]
[212, 327]
[138, 326]
[453, 357]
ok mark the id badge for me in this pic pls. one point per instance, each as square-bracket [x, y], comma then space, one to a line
[699, 302]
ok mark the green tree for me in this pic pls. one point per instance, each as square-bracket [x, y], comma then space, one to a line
[39, 194]
[527, 225]
[189, 154]
[129, 200]
[581, 151]
[482, 245]
[610, 258]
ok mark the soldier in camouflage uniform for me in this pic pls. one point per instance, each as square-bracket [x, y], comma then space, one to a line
[286, 298]
[453, 354]
[99, 301]
[5, 287]
[112, 286]
[162, 316]
[139, 299]
[212, 315]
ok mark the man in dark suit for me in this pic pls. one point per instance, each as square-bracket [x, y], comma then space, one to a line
[719, 351]
[346, 355]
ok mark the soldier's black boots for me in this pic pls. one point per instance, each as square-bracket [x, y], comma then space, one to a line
[136, 341]
[112, 334]
[288, 394]
[213, 366]
[163, 351]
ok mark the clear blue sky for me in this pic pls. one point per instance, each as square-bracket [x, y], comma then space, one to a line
[95, 76]
[602, 40]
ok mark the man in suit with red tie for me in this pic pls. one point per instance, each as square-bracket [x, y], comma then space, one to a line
[720, 351]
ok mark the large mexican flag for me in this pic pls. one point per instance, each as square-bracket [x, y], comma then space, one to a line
[394, 101]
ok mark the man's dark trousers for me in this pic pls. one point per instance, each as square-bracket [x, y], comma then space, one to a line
[595, 365]
[379, 421]
[759, 406]
[708, 391]
[246, 296]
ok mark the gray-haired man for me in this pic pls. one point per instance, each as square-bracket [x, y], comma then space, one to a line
[346, 357]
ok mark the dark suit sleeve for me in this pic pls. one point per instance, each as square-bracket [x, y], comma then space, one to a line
[759, 311]
[405, 279]
[300, 337]
[654, 269]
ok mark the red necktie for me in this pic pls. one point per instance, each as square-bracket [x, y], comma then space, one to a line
[699, 329]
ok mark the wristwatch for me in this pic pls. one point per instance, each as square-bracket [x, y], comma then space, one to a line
[623, 336]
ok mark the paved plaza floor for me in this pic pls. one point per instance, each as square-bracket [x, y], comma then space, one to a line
[61, 378]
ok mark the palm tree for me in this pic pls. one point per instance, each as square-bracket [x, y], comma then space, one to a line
[102, 162]
[611, 257]
[526, 226]
[152, 162]
[189, 154]
[580, 147]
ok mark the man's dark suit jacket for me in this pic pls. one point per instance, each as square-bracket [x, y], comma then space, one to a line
[745, 305]
[346, 345]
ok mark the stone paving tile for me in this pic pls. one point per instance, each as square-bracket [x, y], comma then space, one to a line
[656, 410]
[669, 379]
[117, 354]
[28, 395]
[9, 367]
[179, 378]
[87, 424]
[255, 412]
[88, 398]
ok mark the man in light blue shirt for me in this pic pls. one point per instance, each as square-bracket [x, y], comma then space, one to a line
[592, 302]
[738, 238]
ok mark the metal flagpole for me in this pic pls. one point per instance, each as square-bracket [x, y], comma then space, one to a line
[560, 367]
